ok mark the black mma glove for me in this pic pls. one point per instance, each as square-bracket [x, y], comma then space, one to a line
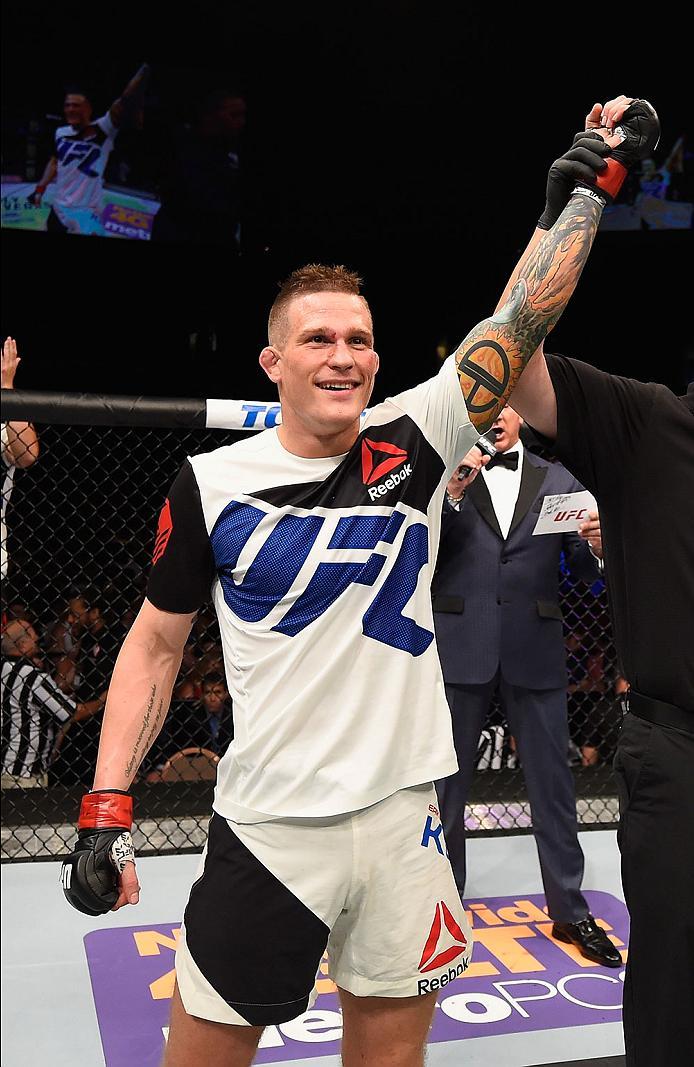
[89, 875]
[639, 128]
[583, 162]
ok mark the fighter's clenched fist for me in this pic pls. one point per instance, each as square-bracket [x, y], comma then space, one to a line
[632, 129]
[94, 876]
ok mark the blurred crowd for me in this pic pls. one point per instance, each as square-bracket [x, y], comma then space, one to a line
[76, 649]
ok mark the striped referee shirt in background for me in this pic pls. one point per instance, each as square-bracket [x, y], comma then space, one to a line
[32, 703]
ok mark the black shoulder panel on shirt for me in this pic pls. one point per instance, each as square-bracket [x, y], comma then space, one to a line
[386, 465]
[182, 562]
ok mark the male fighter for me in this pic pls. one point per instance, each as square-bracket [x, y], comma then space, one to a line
[316, 542]
[82, 148]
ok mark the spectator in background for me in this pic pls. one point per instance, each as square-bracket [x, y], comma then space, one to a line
[200, 185]
[655, 180]
[194, 723]
[99, 647]
[64, 637]
[589, 702]
[16, 610]
[499, 623]
[93, 661]
[129, 615]
[82, 148]
[65, 675]
[211, 661]
[20, 444]
[217, 705]
[32, 705]
[188, 684]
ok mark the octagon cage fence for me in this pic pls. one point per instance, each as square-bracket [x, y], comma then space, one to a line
[78, 536]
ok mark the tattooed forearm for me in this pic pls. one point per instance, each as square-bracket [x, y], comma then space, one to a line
[156, 727]
[492, 357]
[139, 750]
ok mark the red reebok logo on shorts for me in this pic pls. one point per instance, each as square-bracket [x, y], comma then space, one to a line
[163, 532]
[375, 467]
[435, 954]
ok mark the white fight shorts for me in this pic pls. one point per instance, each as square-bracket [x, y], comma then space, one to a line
[374, 886]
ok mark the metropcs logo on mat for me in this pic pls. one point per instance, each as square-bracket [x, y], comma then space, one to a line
[379, 458]
[520, 979]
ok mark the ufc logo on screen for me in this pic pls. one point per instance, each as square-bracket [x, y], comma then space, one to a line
[85, 154]
[291, 542]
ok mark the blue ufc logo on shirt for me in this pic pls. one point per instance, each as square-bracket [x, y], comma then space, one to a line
[289, 545]
[82, 152]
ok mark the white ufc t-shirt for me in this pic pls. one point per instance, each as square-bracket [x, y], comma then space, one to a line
[320, 572]
[81, 166]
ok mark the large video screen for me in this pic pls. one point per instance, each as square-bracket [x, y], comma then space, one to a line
[155, 163]
[163, 154]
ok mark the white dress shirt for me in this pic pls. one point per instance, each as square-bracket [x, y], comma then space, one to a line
[504, 486]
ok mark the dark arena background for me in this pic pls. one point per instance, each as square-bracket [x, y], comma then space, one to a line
[411, 144]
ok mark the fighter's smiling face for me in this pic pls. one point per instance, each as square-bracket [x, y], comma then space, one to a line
[78, 110]
[324, 365]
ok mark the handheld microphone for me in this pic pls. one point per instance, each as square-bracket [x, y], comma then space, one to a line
[487, 447]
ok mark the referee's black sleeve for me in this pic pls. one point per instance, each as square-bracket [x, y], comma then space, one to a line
[183, 566]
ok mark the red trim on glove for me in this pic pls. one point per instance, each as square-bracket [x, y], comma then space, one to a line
[612, 178]
[106, 811]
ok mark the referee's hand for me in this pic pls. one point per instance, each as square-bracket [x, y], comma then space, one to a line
[590, 532]
[10, 362]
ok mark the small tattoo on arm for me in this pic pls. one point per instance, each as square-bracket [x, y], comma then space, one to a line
[133, 763]
[156, 726]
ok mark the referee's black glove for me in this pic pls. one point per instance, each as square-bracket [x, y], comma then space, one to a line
[582, 163]
[90, 874]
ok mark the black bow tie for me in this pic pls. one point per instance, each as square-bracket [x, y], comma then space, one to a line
[504, 459]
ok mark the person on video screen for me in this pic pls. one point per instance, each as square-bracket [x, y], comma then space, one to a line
[82, 149]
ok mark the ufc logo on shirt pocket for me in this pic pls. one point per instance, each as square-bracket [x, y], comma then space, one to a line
[288, 546]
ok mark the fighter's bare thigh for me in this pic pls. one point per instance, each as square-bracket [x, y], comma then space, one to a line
[385, 1030]
[197, 1042]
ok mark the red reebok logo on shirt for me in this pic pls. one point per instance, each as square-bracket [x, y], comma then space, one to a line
[163, 532]
[436, 953]
[375, 466]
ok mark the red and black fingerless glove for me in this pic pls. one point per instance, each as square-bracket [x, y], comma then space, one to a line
[89, 875]
[639, 129]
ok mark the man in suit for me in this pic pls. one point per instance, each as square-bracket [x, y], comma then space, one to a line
[498, 621]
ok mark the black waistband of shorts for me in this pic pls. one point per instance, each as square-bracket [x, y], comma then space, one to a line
[658, 712]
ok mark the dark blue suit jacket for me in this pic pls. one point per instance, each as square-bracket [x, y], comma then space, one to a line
[496, 601]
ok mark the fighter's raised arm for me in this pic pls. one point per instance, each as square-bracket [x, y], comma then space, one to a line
[492, 357]
[128, 106]
[630, 129]
[494, 354]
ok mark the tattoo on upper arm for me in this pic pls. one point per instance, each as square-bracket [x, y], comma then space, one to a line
[486, 365]
[493, 355]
